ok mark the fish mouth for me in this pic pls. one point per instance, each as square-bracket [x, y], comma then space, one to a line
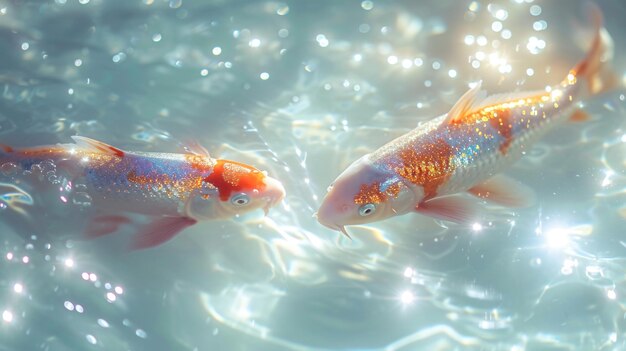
[342, 229]
[334, 226]
[270, 203]
[274, 194]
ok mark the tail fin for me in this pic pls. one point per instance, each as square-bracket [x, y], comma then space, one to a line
[593, 68]
[5, 151]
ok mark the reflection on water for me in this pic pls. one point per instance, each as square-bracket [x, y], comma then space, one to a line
[302, 89]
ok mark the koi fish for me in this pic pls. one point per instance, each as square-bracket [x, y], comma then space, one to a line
[176, 190]
[462, 151]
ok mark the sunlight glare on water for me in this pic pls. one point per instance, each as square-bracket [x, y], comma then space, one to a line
[301, 90]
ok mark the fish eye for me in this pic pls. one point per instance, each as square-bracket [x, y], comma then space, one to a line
[240, 200]
[367, 209]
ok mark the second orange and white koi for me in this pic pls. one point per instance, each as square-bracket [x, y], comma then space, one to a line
[176, 190]
[461, 151]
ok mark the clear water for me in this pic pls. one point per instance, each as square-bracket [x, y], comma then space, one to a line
[301, 89]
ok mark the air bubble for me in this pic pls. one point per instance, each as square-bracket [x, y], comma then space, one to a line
[540, 25]
[535, 10]
[283, 10]
[119, 57]
[68, 305]
[91, 339]
[81, 199]
[9, 168]
[594, 272]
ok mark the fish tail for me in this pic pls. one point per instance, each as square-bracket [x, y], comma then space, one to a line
[6, 154]
[594, 68]
[25, 157]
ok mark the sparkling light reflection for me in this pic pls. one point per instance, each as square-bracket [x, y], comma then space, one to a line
[557, 237]
[7, 316]
[407, 297]
[254, 43]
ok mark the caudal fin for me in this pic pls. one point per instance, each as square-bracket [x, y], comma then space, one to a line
[594, 67]
[5, 154]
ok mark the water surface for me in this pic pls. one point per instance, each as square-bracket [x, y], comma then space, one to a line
[301, 89]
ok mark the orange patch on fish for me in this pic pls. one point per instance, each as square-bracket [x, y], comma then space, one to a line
[500, 121]
[157, 179]
[371, 194]
[116, 151]
[41, 151]
[230, 176]
[429, 167]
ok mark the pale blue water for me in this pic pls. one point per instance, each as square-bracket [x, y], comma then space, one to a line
[301, 89]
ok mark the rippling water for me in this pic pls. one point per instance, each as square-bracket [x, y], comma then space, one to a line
[301, 89]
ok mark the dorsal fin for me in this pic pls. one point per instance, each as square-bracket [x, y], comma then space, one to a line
[195, 148]
[497, 99]
[465, 103]
[97, 146]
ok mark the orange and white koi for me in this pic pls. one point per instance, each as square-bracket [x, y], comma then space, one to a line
[461, 151]
[176, 189]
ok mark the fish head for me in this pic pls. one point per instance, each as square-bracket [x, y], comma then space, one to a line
[234, 188]
[364, 193]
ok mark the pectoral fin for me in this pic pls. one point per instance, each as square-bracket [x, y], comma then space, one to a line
[196, 148]
[504, 191]
[103, 225]
[159, 231]
[579, 116]
[449, 208]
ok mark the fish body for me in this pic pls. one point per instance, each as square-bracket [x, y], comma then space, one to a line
[461, 151]
[444, 157]
[176, 189]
